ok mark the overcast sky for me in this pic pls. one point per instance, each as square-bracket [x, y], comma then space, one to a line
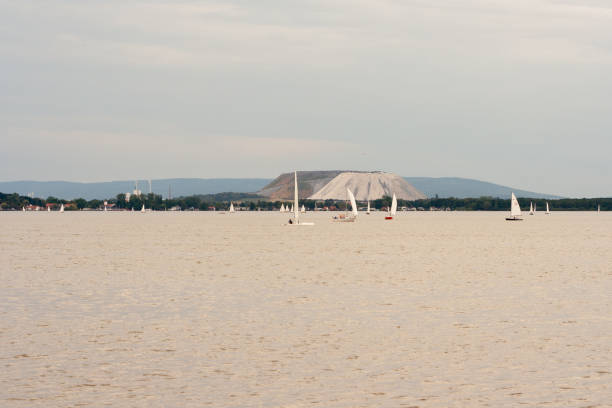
[515, 92]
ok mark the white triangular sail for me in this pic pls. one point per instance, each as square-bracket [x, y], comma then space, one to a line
[353, 203]
[23, 209]
[368, 211]
[62, 208]
[295, 207]
[547, 208]
[530, 208]
[282, 208]
[143, 208]
[393, 205]
[515, 208]
[231, 209]
[48, 209]
[303, 210]
[598, 208]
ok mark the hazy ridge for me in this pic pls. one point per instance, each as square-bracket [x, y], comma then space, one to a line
[430, 186]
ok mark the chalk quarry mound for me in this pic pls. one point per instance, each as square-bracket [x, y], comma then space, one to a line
[367, 186]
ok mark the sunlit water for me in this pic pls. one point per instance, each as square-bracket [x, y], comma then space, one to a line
[203, 309]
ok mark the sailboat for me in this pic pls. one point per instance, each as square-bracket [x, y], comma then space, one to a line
[295, 207]
[282, 208]
[23, 209]
[598, 208]
[530, 208]
[368, 211]
[346, 217]
[61, 208]
[142, 209]
[303, 210]
[231, 209]
[547, 209]
[515, 210]
[48, 209]
[393, 209]
[534, 208]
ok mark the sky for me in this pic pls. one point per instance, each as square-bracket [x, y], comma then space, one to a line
[512, 92]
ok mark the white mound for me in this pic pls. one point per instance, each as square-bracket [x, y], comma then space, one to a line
[367, 186]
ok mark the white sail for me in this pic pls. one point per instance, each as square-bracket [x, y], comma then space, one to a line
[530, 208]
[547, 208]
[535, 208]
[303, 210]
[143, 208]
[393, 205]
[598, 208]
[515, 208]
[231, 209]
[62, 208]
[282, 208]
[295, 207]
[353, 203]
[23, 209]
[367, 212]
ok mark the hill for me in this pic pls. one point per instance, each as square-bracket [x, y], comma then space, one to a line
[89, 191]
[309, 182]
[367, 186]
[465, 188]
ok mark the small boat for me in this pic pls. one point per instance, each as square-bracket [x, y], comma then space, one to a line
[23, 209]
[303, 210]
[143, 209]
[515, 210]
[61, 208]
[530, 208]
[282, 208]
[231, 209]
[368, 210]
[48, 209]
[295, 207]
[346, 217]
[547, 209]
[393, 208]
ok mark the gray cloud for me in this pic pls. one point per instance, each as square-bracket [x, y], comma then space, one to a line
[514, 92]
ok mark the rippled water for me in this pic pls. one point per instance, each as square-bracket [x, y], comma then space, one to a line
[202, 309]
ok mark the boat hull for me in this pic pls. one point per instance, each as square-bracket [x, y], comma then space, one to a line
[514, 219]
[388, 218]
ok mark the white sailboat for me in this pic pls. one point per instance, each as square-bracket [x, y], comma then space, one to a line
[535, 208]
[515, 210]
[23, 209]
[292, 208]
[48, 209]
[303, 210]
[530, 208]
[547, 209]
[368, 211]
[61, 208]
[598, 208]
[231, 209]
[296, 207]
[346, 217]
[282, 208]
[393, 209]
[142, 209]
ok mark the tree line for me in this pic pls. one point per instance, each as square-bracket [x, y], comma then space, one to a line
[253, 202]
